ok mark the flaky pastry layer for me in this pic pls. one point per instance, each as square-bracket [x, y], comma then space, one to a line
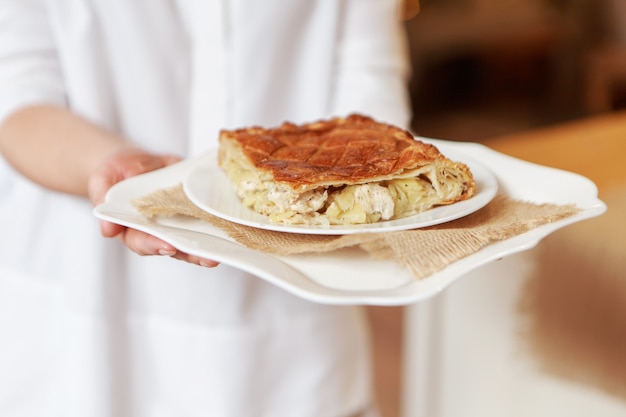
[340, 171]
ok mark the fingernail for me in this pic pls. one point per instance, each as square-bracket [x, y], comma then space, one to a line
[207, 264]
[167, 252]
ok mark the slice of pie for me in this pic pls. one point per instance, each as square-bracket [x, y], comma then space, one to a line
[340, 171]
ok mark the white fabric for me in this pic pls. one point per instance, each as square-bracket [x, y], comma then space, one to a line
[88, 328]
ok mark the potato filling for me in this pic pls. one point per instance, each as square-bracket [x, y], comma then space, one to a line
[351, 204]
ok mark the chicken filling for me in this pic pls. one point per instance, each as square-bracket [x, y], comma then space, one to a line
[351, 204]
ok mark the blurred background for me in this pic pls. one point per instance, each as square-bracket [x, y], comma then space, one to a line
[488, 67]
[545, 81]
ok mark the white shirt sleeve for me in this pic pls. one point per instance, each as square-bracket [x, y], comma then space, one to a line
[372, 64]
[29, 70]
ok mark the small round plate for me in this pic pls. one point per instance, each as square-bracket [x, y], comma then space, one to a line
[208, 187]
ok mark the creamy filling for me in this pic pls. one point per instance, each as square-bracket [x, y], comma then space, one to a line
[352, 204]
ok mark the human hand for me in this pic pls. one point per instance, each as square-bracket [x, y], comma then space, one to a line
[126, 162]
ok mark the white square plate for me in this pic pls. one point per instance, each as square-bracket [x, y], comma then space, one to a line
[350, 276]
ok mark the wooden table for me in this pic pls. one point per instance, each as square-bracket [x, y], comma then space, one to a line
[593, 147]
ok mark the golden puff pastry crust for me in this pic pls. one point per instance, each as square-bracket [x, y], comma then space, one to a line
[303, 167]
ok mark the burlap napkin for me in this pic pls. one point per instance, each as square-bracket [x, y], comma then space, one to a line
[423, 251]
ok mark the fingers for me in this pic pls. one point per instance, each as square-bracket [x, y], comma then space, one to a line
[207, 263]
[99, 185]
[135, 162]
[146, 245]
[170, 159]
[108, 229]
[126, 162]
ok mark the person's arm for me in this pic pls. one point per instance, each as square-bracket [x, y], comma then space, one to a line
[44, 141]
[63, 152]
[54, 148]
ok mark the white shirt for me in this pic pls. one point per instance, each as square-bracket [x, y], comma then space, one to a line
[88, 328]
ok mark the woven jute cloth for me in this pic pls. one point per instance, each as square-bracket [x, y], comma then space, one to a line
[422, 251]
